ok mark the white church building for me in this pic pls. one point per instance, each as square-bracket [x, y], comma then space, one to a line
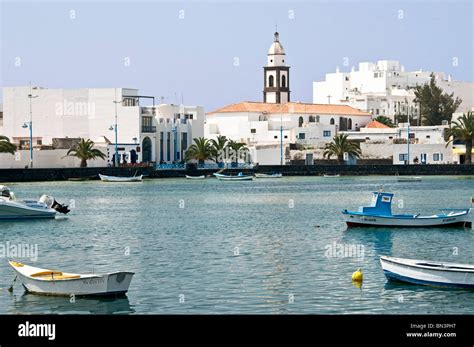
[271, 127]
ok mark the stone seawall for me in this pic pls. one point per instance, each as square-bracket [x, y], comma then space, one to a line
[31, 175]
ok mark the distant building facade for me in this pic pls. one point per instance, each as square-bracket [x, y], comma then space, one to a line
[146, 133]
[385, 89]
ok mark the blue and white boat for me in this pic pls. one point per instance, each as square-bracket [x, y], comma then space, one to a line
[426, 272]
[379, 213]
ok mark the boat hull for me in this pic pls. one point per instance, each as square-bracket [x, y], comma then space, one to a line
[48, 282]
[195, 177]
[356, 220]
[116, 179]
[16, 210]
[406, 270]
[233, 178]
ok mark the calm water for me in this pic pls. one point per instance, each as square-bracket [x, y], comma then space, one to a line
[238, 247]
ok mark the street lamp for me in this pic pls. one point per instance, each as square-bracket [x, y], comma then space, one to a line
[30, 126]
[114, 127]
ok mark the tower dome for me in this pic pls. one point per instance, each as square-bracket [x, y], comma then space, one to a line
[276, 48]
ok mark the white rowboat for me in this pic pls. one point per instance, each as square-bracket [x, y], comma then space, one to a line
[52, 282]
[105, 178]
[427, 272]
[332, 176]
[195, 177]
[239, 177]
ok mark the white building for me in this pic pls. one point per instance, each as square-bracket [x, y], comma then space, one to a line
[426, 144]
[385, 88]
[265, 127]
[271, 127]
[145, 133]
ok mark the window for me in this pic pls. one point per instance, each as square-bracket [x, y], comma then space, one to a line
[128, 102]
[331, 121]
[253, 131]
[428, 136]
[311, 119]
[347, 78]
[327, 133]
[300, 122]
[184, 143]
[270, 81]
[301, 136]
[283, 81]
[275, 137]
[286, 136]
[161, 146]
[437, 156]
[403, 157]
[377, 111]
[39, 142]
[317, 119]
[147, 121]
[168, 146]
[349, 124]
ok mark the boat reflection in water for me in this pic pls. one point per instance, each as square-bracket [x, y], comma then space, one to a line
[40, 304]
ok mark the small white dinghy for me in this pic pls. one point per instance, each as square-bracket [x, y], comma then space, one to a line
[105, 178]
[239, 177]
[195, 177]
[426, 272]
[52, 282]
[332, 175]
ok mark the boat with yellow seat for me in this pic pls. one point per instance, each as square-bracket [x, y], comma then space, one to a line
[52, 282]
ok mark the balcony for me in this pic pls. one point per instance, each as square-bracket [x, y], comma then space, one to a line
[148, 129]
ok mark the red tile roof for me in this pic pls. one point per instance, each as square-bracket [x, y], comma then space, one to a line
[290, 107]
[376, 124]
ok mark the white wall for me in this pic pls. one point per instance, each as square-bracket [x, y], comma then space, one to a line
[46, 159]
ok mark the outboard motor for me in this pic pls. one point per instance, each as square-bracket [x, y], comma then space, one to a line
[5, 192]
[52, 203]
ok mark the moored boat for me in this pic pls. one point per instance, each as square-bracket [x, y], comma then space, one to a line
[51, 282]
[12, 208]
[105, 178]
[195, 177]
[269, 175]
[239, 177]
[379, 213]
[426, 272]
[332, 175]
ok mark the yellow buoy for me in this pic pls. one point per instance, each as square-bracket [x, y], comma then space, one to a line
[357, 276]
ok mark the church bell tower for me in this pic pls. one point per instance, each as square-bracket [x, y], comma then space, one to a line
[276, 87]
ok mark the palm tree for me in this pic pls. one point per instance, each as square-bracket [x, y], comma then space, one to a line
[200, 150]
[84, 150]
[239, 150]
[462, 129]
[341, 145]
[6, 146]
[218, 147]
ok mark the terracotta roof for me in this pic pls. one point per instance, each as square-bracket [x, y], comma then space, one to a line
[291, 107]
[376, 124]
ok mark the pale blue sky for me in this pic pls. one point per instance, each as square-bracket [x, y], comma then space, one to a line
[195, 55]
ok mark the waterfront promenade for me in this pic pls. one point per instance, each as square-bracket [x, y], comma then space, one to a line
[61, 174]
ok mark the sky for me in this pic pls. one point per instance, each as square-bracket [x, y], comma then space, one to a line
[211, 54]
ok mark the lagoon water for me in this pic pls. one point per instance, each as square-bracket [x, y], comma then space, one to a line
[261, 247]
